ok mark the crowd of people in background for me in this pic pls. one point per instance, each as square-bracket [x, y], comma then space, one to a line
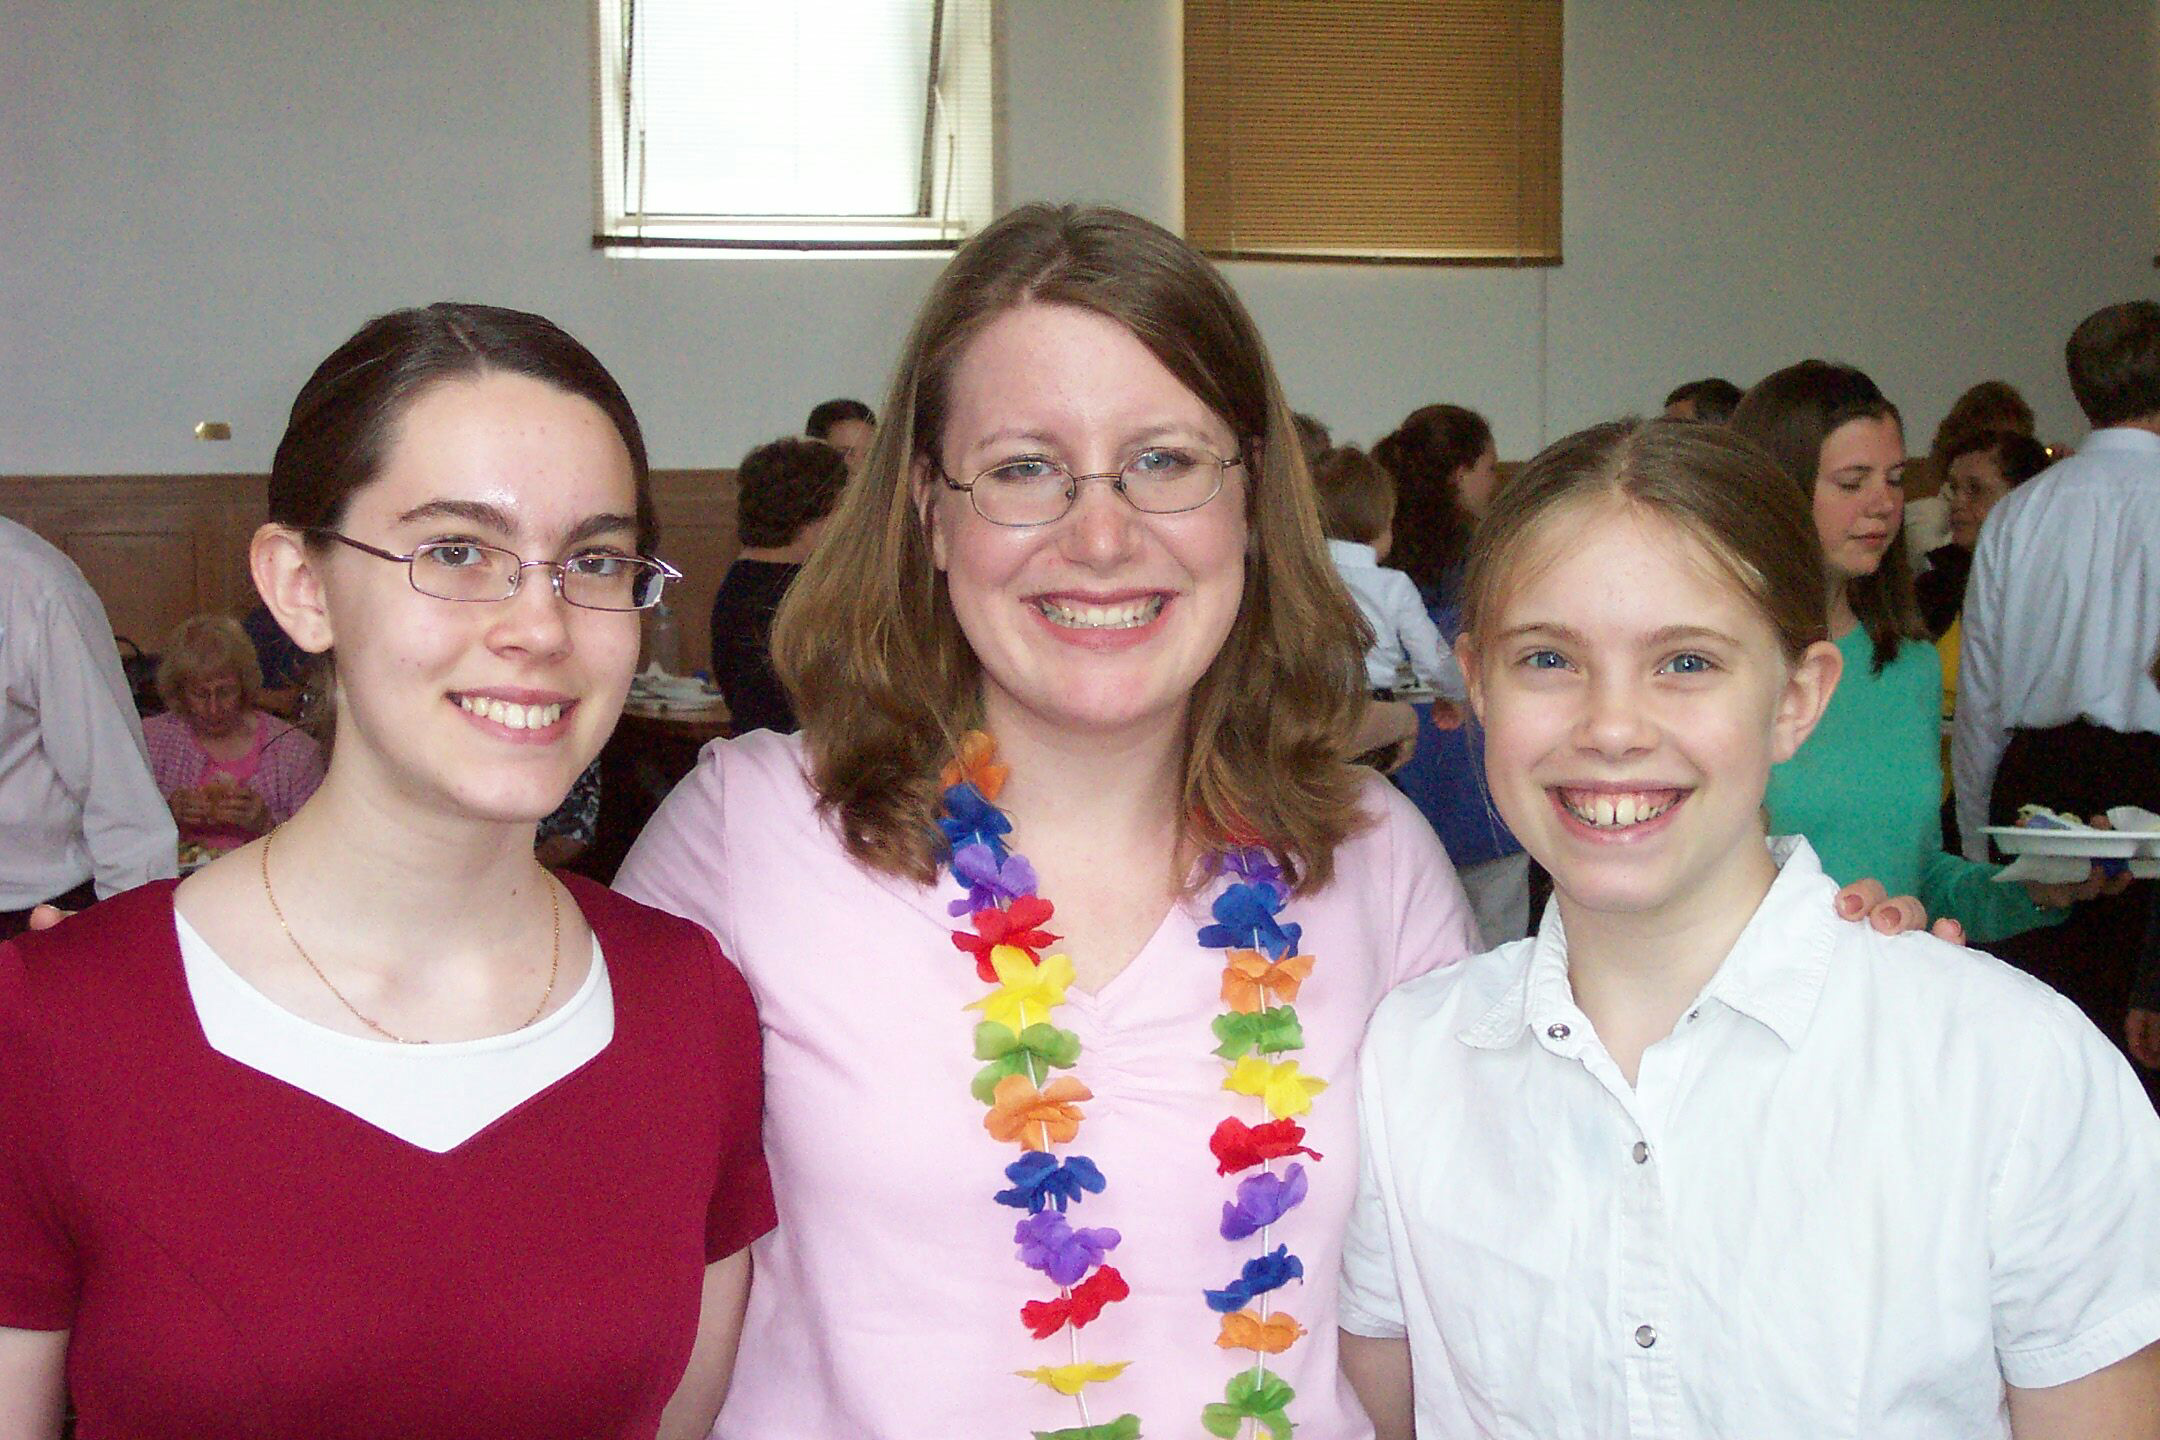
[1113, 940]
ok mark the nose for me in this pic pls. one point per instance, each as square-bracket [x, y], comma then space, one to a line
[1615, 721]
[1102, 529]
[536, 618]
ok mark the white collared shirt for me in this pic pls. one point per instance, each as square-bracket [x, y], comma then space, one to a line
[76, 798]
[1863, 1182]
[2062, 613]
[1402, 627]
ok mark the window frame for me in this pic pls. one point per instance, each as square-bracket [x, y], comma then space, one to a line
[966, 47]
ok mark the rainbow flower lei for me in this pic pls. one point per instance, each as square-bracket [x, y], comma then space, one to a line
[1020, 1044]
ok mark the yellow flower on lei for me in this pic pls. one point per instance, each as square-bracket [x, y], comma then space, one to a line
[1277, 1082]
[1026, 992]
[1070, 1379]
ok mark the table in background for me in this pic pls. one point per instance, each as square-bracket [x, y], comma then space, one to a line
[652, 749]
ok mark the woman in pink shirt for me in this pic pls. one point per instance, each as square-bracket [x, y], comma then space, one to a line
[228, 769]
[1063, 915]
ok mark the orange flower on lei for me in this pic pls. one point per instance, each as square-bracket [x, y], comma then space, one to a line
[1036, 1119]
[1244, 1330]
[1250, 976]
[977, 766]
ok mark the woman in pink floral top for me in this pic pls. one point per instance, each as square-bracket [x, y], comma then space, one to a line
[229, 770]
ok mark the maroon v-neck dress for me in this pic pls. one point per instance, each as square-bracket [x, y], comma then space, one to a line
[237, 1258]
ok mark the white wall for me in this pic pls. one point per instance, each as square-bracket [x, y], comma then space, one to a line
[198, 198]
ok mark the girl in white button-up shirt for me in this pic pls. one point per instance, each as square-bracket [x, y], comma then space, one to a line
[1699, 1158]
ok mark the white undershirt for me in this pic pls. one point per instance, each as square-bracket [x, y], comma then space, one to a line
[433, 1096]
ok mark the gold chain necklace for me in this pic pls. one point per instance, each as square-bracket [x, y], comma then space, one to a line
[554, 956]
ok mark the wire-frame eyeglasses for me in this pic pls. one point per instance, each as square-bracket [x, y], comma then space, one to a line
[471, 573]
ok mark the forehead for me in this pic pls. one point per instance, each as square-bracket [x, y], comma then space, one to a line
[1873, 440]
[544, 457]
[1060, 367]
[1614, 572]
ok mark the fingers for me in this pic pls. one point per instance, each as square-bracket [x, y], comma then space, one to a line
[44, 917]
[1897, 915]
[1948, 929]
[1859, 898]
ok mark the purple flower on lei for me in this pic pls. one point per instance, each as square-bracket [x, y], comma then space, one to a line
[991, 884]
[1262, 1200]
[1049, 1243]
[1253, 866]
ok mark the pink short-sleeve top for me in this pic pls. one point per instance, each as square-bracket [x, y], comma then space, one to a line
[887, 1302]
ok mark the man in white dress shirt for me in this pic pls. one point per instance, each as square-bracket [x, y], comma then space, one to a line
[80, 817]
[2062, 618]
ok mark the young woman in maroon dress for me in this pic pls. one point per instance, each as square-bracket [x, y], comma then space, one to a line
[374, 1126]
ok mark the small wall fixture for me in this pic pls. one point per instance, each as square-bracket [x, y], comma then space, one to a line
[212, 430]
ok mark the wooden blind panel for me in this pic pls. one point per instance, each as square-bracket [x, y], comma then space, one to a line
[1377, 129]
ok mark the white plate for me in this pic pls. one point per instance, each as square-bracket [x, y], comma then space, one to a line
[2090, 844]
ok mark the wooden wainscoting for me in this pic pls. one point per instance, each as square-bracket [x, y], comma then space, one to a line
[156, 548]
[159, 548]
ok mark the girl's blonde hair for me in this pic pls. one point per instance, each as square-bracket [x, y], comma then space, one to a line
[1704, 480]
[207, 645]
[884, 681]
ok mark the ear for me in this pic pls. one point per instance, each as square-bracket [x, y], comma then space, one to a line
[287, 578]
[1466, 656]
[926, 486]
[1806, 696]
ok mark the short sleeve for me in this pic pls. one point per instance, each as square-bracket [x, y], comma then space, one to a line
[742, 1206]
[2074, 1215]
[680, 861]
[39, 1269]
[1433, 923]
[1369, 1300]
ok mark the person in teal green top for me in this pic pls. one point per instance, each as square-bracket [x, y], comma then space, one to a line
[1866, 788]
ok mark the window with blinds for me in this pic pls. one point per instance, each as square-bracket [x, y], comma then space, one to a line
[1409, 130]
[810, 125]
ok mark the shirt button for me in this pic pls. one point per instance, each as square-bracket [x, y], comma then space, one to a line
[1645, 1336]
[1557, 1031]
[1642, 1151]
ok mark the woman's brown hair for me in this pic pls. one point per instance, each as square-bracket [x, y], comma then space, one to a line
[884, 681]
[1433, 445]
[1790, 414]
[1711, 484]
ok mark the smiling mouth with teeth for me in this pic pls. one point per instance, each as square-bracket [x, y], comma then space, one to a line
[514, 717]
[1125, 615]
[1609, 810]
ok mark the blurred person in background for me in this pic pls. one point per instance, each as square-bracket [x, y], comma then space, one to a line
[2061, 619]
[80, 818]
[1866, 787]
[1979, 469]
[1710, 401]
[1446, 468]
[847, 425]
[787, 489]
[1991, 405]
[228, 769]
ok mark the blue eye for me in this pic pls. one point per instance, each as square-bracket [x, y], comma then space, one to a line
[1024, 470]
[1545, 660]
[1690, 664]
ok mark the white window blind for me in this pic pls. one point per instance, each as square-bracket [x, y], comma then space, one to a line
[794, 124]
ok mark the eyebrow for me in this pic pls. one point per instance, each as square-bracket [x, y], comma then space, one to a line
[494, 517]
[1663, 635]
